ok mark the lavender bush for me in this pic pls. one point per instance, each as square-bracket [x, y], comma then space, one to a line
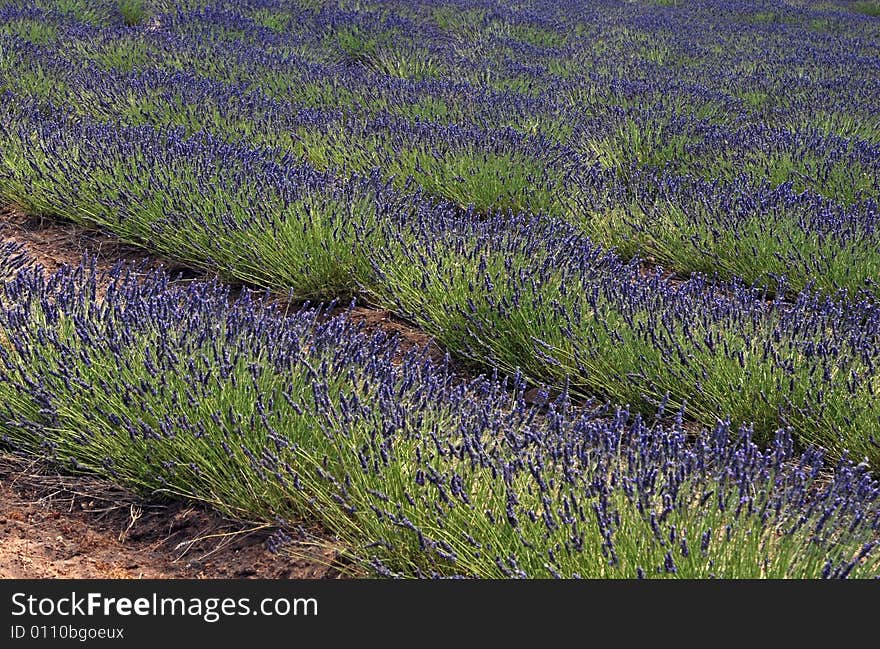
[272, 416]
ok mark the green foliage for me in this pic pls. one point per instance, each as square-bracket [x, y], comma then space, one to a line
[34, 31]
[125, 54]
[311, 238]
[87, 11]
[277, 21]
[634, 143]
[869, 8]
[462, 290]
[356, 45]
[454, 19]
[35, 82]
[413, 64]
[133, 12]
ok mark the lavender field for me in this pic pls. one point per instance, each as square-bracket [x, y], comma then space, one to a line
[645, 234]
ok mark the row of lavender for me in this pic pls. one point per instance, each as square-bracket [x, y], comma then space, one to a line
[174, 388]
[646, 165]
[509, 292]
[765, 61]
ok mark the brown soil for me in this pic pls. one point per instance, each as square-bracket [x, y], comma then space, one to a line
[52, 244]
[374, 319]
[72, 527]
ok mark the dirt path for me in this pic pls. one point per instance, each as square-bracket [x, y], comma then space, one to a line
[53, 243]
[55, 526]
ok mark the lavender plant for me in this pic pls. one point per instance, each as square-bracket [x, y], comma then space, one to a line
[572, 315]
[209, 213]
[272, 416]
